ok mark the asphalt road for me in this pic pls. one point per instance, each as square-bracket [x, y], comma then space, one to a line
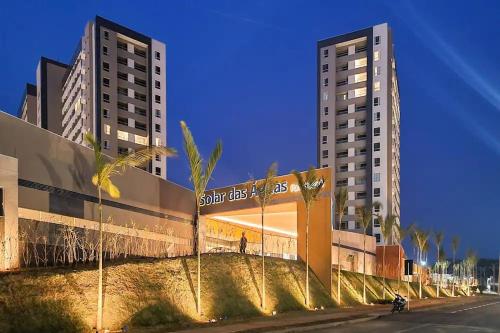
[482, 315]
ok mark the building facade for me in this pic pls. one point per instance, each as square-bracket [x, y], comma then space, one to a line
[27, 109]
[358, 121]
[113, 87]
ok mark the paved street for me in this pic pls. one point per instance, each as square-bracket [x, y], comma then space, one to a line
[482, 315]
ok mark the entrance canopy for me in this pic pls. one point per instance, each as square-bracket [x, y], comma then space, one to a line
[232, 210]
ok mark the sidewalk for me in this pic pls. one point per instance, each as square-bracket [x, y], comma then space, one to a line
[300, 320]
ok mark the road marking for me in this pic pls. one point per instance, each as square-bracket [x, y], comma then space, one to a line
[475, 307]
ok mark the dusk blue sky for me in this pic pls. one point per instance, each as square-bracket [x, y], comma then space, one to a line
[245, 72]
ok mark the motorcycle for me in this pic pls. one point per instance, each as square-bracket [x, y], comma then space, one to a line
[399, 304]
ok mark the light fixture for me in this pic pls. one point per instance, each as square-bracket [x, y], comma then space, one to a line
[253, 225]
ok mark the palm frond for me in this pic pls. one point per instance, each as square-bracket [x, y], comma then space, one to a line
[195, 161]
[365, 216]
[341, 201]
[455, 243]
[212, 162]
[311, 186]
[265, 187]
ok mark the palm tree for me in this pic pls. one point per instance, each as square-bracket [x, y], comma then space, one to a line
[340, 207]
[102, 180]
[387, 228]
[199, 178]
[420, 239]
[455, 242]
[310, 187]
[438, 241]
[365, 216]
[265, 192]
[470, 262]
[400, 235]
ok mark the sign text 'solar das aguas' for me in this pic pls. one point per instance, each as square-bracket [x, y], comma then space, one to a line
[215, 197]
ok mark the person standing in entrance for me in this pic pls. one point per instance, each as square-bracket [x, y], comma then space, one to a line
[243, 243]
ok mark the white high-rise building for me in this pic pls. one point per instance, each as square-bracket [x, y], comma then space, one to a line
[359, 121]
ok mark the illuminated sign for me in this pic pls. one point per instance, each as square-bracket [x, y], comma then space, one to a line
[237, 194]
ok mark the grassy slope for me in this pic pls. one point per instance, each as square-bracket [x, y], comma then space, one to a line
[162, 293]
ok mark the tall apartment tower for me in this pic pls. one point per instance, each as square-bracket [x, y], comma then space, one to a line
[113, 87]
[359, 121]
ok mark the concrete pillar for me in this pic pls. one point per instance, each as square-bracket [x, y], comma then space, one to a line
[9, 254]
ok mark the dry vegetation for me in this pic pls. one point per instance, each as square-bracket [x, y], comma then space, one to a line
[161, 293]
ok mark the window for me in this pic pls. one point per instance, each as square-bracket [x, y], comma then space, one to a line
[139, 96]
[325, 82]
[158, 158]
[105, 98]
[360, 92]
[122, 135]
[157, 55]
[376, 70]
[139, 111]
[376, 209]
[343, 225]
[343, 168]
[139, 52]
[324, 166]
[377, 40]
[376, 192]
[123, 76]
[377, 238]
[141, 140]
[107, 129]
[376, 86]
[324, 68]
[361, 195]
[139, 82]
[342, 111]
[376, 146]
[105, 66]
[157, 99]
[377, 116]
[122, 91]
[325, 96]
[341, 83]
[122, 151]
[105, 81]
[140, 126]
[123, 121]
[376, 55]
[342, 53]
[157, 142]
[157, 113]
[325, 110]
[360, 63]
[158, 171]
[342, 97]
[106, 144]
[361, 77]
[122, 106]
[376, 101]
[157, 70]
[324, 139]
[325, 125]
[157, 128]
[121, 45]
[325, 53]
[139, 67]
[376, 131]
[105, 113]
[324, 153]
[376, 177]
[377, 161]
[106, 34]
[105, 50]
[157, 84]
[122, 60]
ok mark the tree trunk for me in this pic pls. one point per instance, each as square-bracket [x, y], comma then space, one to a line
[438, 274]
[198, 246]
[453, 277]
[383, 272]
[364, 267]
[399, 265]
[307, 257]
[338, 262]
[263, 292]
[99, 292]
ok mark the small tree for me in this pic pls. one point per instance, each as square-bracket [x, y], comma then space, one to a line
[199, 178]
[400, 235]
[365, 216]
[455, 242]
[341, 198]
[264, 193]
[420, 239]
[387, 228]
[438, 241]
[310, 187]
[102, 180]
